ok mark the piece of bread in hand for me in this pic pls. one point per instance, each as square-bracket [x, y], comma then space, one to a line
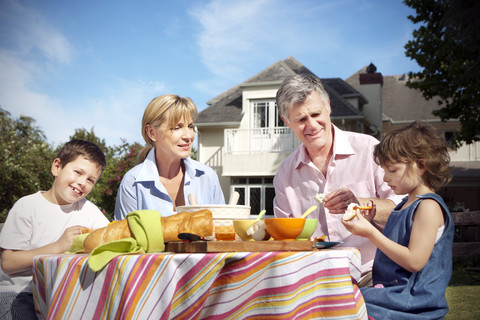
[198, 222]
[351, 212]
[320, 197]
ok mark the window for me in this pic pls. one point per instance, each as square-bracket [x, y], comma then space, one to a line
[258, 193]
[265, 114]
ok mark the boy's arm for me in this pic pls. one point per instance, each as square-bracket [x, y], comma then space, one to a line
[16, 261]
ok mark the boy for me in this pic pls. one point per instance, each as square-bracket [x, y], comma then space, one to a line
[46, 222]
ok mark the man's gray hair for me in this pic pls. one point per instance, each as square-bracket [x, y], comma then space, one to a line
[295, 89]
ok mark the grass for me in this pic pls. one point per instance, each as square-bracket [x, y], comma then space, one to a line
[462, 296]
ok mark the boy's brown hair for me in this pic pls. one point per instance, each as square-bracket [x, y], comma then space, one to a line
[417, 143]
[76, 148]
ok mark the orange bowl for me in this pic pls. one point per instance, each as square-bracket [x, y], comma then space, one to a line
[284, 228]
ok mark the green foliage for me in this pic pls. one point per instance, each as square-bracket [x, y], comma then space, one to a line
[194, 154]
[447, 46]
[83, 134]
[121, 159]
[25, 160]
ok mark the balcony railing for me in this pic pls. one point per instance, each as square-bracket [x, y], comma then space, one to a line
[259, 140]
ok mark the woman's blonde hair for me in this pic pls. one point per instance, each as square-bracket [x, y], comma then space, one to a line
[156, 113]
[420, 144]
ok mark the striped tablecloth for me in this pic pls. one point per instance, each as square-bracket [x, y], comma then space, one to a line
[238, 285]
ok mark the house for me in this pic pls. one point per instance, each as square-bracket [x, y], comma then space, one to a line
[243, 138]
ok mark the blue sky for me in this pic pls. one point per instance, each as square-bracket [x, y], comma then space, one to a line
[84, 64]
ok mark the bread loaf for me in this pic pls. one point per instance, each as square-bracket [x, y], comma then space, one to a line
[198, 222]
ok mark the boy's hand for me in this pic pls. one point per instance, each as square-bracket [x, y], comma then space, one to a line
[65, 241]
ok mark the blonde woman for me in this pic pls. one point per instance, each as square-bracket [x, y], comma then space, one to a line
[166, 175]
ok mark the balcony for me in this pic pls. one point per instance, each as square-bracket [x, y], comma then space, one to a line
[259, 140]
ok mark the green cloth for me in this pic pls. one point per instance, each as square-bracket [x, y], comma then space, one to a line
[104, 253]
[77, 244]
[146, 226]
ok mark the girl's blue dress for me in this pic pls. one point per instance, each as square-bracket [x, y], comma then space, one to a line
[407, 295]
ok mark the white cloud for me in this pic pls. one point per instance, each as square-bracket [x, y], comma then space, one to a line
[230, 34]
[31, 35]
[235, 37]
[35, 48]
[31, 48]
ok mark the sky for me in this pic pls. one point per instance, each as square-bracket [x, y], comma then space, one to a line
[98, 63]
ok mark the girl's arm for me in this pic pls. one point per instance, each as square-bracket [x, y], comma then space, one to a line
[428, 218]
[16, 261]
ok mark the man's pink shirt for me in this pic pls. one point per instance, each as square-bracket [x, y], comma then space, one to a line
[351, 166]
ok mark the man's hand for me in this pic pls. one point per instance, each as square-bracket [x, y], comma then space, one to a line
[338, 201]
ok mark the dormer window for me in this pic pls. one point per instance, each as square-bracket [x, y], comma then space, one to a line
[264, 114]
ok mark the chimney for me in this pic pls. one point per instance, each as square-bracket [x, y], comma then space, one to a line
[371, 77]
[371, 85]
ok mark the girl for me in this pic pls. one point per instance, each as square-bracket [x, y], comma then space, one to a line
[413, 262]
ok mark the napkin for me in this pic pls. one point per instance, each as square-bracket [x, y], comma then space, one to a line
[146, 226]
[77, 244]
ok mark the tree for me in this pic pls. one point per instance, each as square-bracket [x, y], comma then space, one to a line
[25, 160]
[126, 157]
[83, 134]
[447, 46]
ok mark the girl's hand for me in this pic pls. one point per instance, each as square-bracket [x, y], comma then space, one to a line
[369, 214]
[359, 226]
[65, 241]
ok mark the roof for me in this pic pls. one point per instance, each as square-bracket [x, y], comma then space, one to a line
[399, 102]
[227, 107]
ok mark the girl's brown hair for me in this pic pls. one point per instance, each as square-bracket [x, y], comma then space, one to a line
[417, 143]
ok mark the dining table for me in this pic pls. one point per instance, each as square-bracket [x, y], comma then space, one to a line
[315, 284]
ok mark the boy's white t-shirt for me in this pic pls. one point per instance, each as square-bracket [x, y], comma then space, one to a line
[34, 222]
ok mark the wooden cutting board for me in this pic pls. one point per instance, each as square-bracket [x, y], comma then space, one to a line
[237, 246]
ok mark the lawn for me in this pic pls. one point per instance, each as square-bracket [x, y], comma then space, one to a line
[462, 296]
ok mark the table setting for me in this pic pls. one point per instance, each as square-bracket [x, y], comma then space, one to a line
[201, 277]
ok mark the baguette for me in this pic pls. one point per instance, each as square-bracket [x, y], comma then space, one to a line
[198, 222]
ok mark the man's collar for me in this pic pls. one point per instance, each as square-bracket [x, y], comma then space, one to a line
[341, 146]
